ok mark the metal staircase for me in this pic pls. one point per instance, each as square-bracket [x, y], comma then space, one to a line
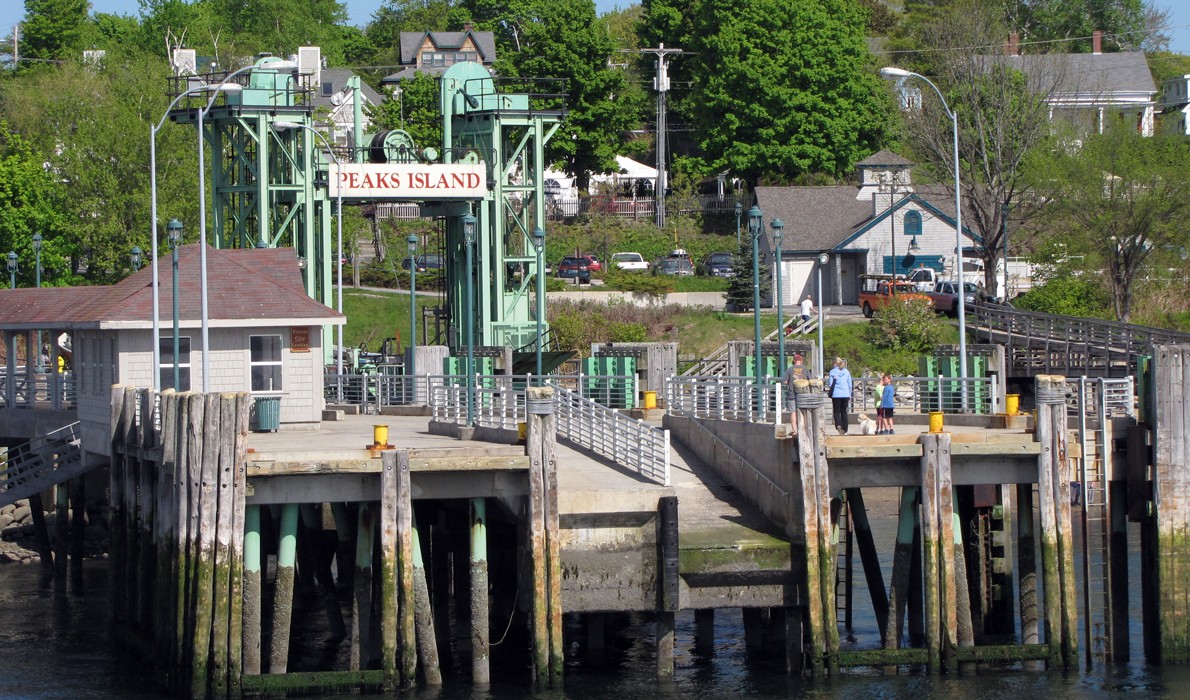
[1095, 443]
[41, 463]
[715, 364]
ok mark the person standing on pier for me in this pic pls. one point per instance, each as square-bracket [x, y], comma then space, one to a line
[884, 412]
[796, 371]
[840, 386]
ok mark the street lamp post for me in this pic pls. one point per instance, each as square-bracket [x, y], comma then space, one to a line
[539, 246]
[411, 240]
[281, 126]
[901, 73]
[398, 93]
[778, 227]
[12, 270]
[739, 210]
[824, 258]
[756, 227]
[174, 236]
[134, 257]
[468, 244]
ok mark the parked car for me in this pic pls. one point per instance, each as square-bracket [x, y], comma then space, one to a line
[717, 265]
[674, 266]
[430, 261]
[592, 262]
[878, 291]
[574, 268]
[632, 262]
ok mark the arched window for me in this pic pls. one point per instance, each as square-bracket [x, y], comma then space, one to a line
[912, 223]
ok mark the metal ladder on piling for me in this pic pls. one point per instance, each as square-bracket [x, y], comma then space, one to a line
[1096, 448]
[841, 541]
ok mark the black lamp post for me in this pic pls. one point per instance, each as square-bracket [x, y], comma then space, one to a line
[37, 240]
[778, 227]
[739, 210]
[173, 231]
[468, 244]
[756, 227]
[12, 270]
[134, 257]
[539, 246]
[412, 240]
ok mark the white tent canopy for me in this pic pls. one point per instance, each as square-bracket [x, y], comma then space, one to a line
[630, 173]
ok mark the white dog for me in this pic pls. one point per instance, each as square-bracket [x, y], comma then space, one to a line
[867, 426]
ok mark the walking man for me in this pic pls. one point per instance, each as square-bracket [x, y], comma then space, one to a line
[796, 371]
[840, 387]
[808, 310]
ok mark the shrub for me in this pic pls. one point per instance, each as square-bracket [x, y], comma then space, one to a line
[628, 332]
[910, 325]
[1069, 296]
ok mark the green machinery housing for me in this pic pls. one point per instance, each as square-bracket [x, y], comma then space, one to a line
[270, 179]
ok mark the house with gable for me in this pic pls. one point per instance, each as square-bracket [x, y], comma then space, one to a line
[885, 225]
[265, 338]
[433, 52]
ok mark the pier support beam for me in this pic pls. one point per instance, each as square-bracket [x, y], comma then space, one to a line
[361, 607]
[1057, 550]
[667, 583]
[902, 563]
[252, 582]
[1118, 551]
[283, 592]
[869, 558]
[544, 534]
[481, 674]
[937, 508]
[1170, 533]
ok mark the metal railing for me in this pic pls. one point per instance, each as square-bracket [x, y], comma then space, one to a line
[928, 394]
[725, 398]
[41, 463]
[1090, 397]
[499, 400]
[43, 391]
[626, 441]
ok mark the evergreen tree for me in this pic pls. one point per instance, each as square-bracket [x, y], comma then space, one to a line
[739, 287]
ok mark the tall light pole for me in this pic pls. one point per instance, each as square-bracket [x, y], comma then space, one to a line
[398, 93]
[756, 228]
[174, 236]
[12, 270]
[824, 258]
[411, 241]
[468, 244]
[739, 210]
[281, 126]
[37, 240]
[778, 227]
[901, 73]
[153, 222]
[539, 246]
[224, 86]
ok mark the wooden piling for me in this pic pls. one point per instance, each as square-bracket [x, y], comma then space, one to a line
[948, 589]
[388, 568]
[930, 552]
[164, 525]
[965, 632]
[235, 647]
[1053, 488]
[147, 476]
[207, 505]
[1118, 551]
[61, 538]
[41, 537]
[423, 617]
[553, 534]
[915, 601]
[481, 676]
[361, 596]
[704, 631]
[123, 410]
[1171, 503]
[283, 593]
[809, 398]
[869, 558]
[78, 498]
[1026, 564]
[667, 583]
[902, 562]
[407, 629]
[534, 445]
[224, 506]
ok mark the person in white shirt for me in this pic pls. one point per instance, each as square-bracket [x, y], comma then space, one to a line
[807, 309]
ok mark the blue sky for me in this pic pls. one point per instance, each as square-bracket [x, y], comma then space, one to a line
[361, 11]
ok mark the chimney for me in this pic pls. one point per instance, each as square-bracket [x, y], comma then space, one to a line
[1096, 42]
[1012, 46]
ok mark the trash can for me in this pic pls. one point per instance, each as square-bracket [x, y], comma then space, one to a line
[266, 412]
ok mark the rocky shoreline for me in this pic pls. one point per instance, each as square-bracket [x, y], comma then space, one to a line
[18, 541]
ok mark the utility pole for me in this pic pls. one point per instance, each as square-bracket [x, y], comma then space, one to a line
[16, 44]
[661, 85]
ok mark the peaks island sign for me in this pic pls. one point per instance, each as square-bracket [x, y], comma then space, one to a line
[412, 181]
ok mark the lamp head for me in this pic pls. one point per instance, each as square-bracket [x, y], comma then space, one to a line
[538, 238]
[778, 227]
[37, 239]
[755, 217]
[173, 231]
[739, 209]
[468, 228]
[135, 257]
[283, 125]
[913, 244]
[892, 73]
[824, 258]
[412, 240]
[12, 261]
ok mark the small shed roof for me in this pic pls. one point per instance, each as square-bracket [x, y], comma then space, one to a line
[245, 287]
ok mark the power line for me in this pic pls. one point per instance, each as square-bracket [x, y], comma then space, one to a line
[1039, 42]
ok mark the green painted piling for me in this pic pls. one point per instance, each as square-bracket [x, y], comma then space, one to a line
[283, 590]
[902, 562]
[480, 634]
[252, 590]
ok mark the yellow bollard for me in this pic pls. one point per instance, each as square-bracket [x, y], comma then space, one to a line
[379, 434]
[650, 399]
[1012, 404]
[935, 421]
[522, 432]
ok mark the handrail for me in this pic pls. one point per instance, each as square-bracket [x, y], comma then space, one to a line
[629, 442]
[41, 463]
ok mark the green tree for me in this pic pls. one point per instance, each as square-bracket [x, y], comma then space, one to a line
[563, 39]
[31, 203]
[416, 111]
[908, 325]
[778, 89]
[740, 294]
[1123, 22]
[1125, 196]
[53, 29]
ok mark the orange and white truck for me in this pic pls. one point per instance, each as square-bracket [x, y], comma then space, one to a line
[878, 291]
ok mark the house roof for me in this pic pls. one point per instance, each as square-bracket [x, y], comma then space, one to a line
[338, 78]
[1087, 73]
[253, 286]
[826, 218]
[485, 43]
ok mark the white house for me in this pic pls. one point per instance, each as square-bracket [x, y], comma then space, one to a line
[265, 334]
[887, 224]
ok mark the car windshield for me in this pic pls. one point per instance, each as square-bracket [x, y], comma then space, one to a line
[721, 259]
[627, 257]
[431, 260]
[971, 287]
[675, 264]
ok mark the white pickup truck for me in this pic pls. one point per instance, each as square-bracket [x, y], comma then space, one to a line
[632, 262]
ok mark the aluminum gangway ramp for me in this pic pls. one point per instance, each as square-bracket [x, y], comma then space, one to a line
[41, 463]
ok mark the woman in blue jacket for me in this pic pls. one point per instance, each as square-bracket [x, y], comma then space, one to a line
[839, 385]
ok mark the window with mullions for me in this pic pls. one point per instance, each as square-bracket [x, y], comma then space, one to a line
[167, 363]
[912, 223]
[265, 362]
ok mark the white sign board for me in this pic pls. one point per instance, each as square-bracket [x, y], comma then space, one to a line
[408, 181]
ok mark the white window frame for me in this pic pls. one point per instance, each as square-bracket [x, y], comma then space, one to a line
[279, 362]
[185, 350]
